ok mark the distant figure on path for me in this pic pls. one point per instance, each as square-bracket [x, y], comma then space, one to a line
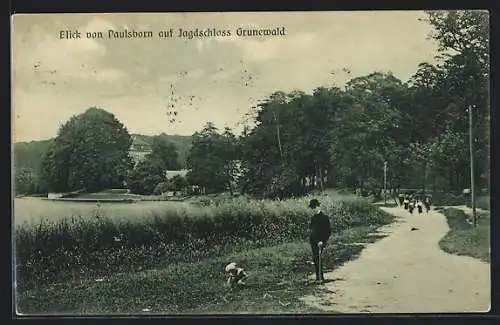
[401, 198]
[406, 202]
[427, 203]
[320, 232]
[411, 206]
[419, 206]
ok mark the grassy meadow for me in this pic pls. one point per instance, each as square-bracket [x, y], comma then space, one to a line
[173, 261]
[465, 239]
[33, 210]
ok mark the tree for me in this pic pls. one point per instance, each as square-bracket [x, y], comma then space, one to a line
[90, 152]
[178, 183]
[464, 53]
[146, 176]
[25, 182]
[230, 153]
[166, 153]
[206, 162]
[162, 187]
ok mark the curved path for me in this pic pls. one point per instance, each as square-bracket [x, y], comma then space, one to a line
[407, 272]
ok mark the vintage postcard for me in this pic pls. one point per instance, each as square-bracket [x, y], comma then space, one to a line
[251, 163]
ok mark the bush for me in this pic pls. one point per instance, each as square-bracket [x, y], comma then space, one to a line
[80, 246]
[482, 202]
[449, 198]
[161, 188]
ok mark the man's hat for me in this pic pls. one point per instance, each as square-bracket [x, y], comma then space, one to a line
[313, 203]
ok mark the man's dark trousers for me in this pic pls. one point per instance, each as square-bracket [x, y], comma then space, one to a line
[315, 253]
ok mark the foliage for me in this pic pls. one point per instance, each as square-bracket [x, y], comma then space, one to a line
[90, 152]
[29, 155]
[25, 182]
[146, 175]
[212, 160]
[149, 175]
[176, 183]
[166, 153]
[343, 137]
[161, 188]
[446, 198]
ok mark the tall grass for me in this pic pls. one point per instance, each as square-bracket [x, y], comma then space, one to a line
[74, 247]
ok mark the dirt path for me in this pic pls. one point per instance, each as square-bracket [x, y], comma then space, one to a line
[407, 272]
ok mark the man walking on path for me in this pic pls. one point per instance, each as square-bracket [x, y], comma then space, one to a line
[411, 206]
[320, 232]
[401, 198]
[427, 204]
[419, 206]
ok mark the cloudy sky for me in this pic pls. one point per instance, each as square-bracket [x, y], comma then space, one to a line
[213, 79]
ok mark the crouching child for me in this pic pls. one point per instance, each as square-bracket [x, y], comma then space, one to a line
[236, 275]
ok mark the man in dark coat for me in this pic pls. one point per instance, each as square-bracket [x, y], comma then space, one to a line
[320, 232]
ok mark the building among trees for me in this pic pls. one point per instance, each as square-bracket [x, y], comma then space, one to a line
[139, 149]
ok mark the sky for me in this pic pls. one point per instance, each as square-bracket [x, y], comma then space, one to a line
[216, 79]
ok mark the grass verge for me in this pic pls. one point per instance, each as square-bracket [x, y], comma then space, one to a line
[279, 276]
[482, 202]
[465, 239]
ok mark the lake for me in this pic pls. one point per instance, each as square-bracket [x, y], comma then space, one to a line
[32, 210]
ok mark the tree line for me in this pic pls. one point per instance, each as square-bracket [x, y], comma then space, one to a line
[341, 137]
[334, 137]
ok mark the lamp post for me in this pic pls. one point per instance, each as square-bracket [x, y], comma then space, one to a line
[472, 180]
[385, 182]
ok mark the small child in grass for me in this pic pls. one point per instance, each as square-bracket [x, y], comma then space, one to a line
[236, 275]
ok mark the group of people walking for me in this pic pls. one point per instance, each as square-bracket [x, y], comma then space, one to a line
[320, 229]
[411, 202]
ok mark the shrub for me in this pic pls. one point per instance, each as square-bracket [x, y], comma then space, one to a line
[448, 198]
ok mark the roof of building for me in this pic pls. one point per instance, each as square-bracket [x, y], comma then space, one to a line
[172, 173]
[136, 141]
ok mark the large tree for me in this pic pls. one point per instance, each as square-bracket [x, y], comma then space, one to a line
[212, 159]
[146, 176]
[91, 152]
[463, 83]
[165, 152]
